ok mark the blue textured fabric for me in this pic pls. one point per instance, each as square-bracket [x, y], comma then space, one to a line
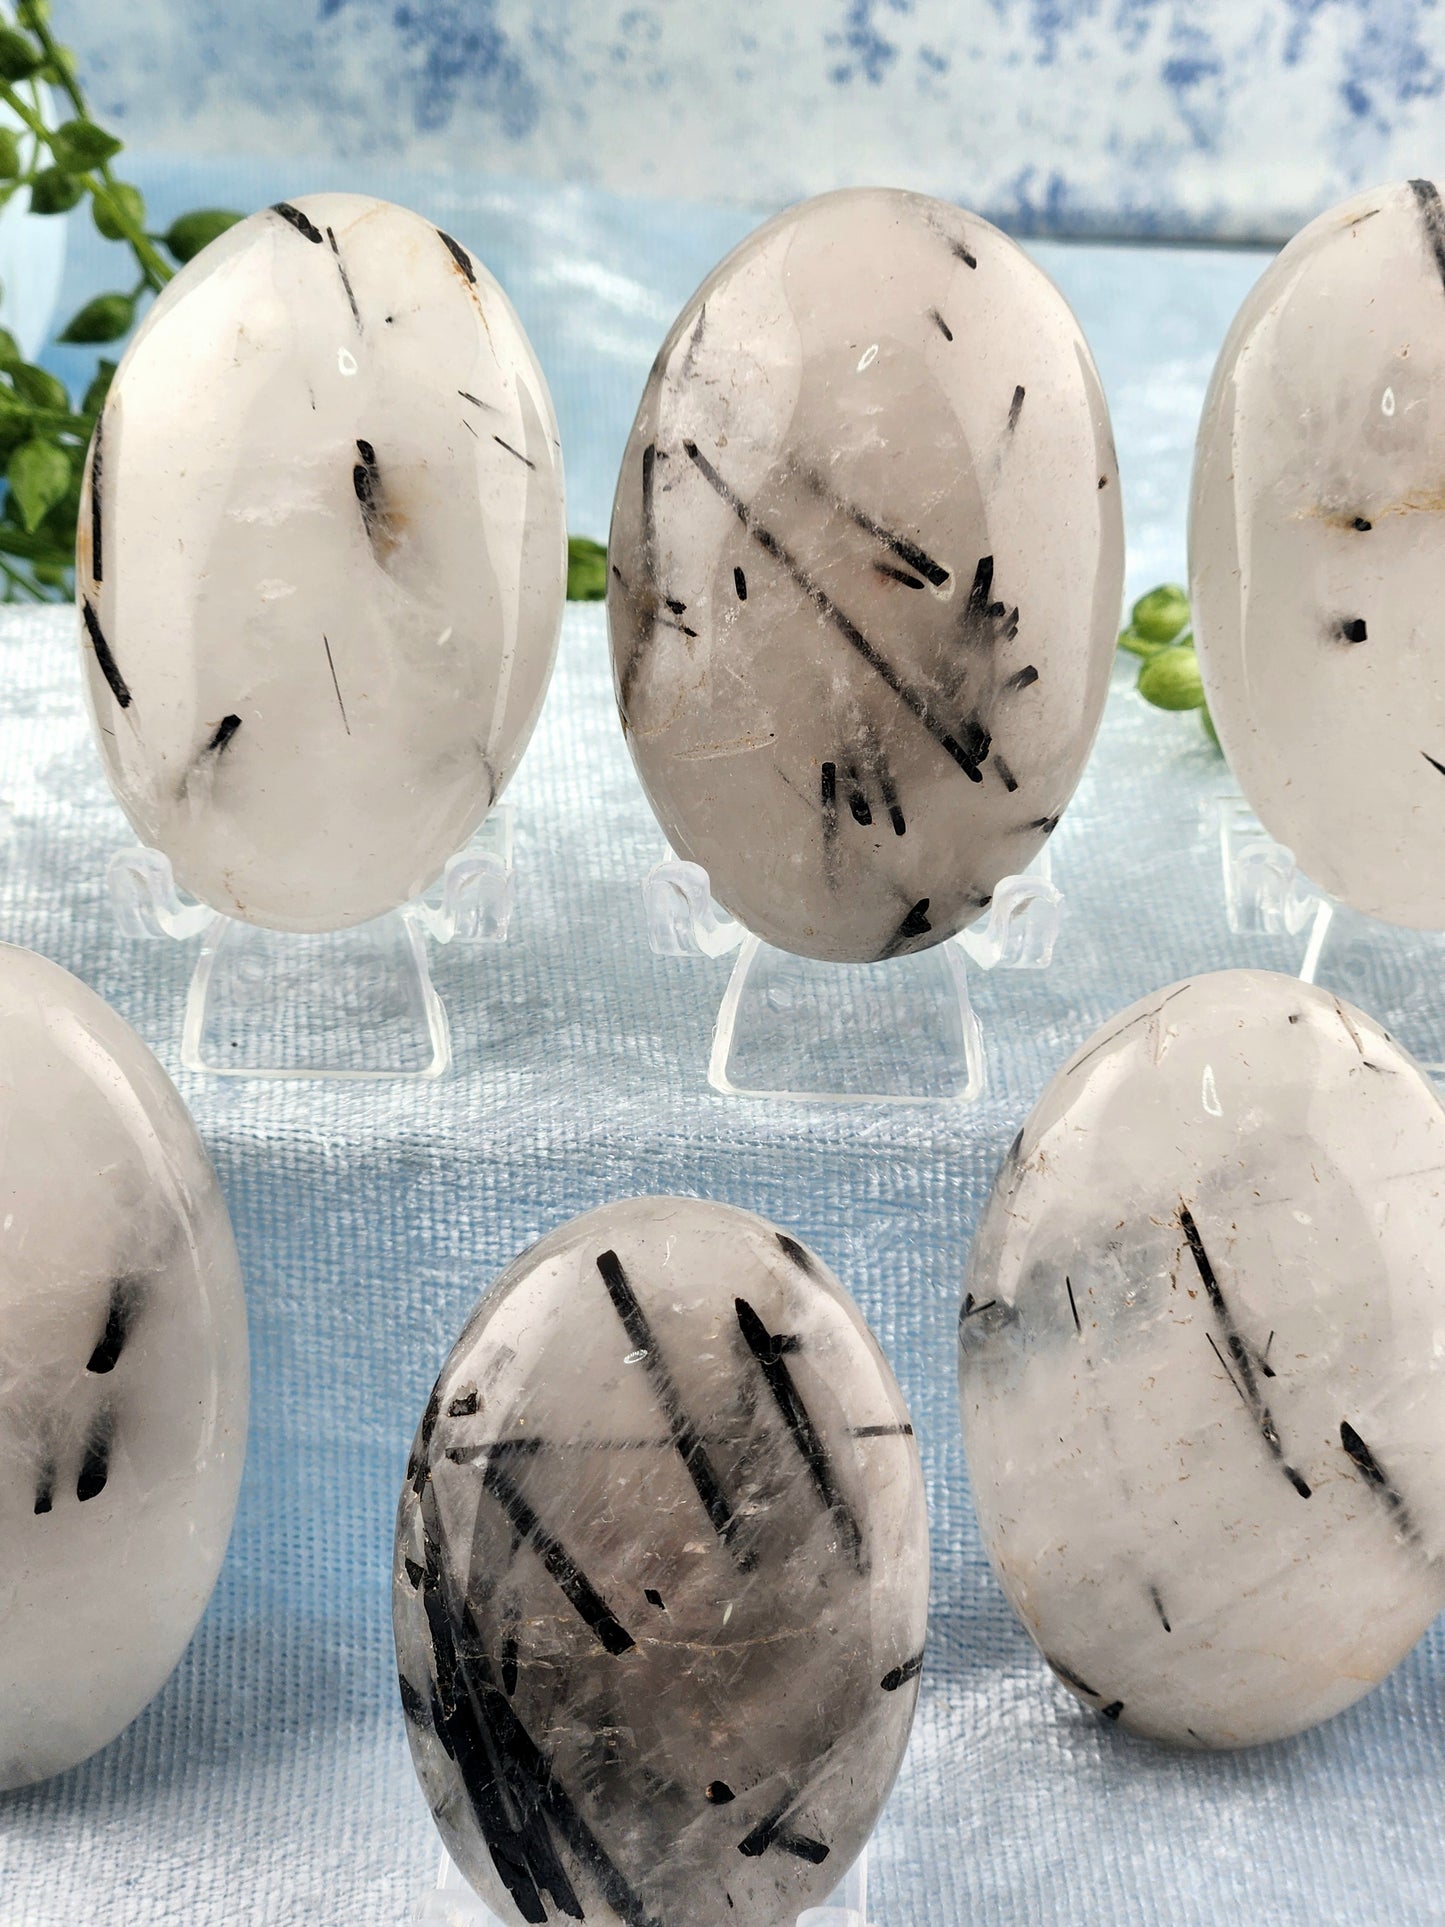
[270, 1783]
[1154, 118]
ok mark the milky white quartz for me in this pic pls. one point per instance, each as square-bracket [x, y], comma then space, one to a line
[1317, 547]
[661, 1577]
[866, 558]
[1201, 1362]
[322, 562]
[123, 1372]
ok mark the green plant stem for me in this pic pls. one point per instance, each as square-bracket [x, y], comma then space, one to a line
[60, 65]
[19, 581]
[30, 548]
[156, 272]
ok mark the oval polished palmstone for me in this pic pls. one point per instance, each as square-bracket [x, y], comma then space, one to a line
[661, 1577]
[123, 1372]
[321, 562]
[1202, 1387]
[866, 561]
[1316, 549]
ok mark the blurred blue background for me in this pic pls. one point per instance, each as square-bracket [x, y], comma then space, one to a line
[1160, 118]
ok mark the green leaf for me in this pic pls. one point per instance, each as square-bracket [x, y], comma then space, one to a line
[10, 355]
[53, 191]
[1171, 679]
[185, 238]
[39, 474]
[586, 569]
[19, 57]
[1159, 616]
[1210, 731]
[99, 388]
[106, 318]
[52, 575]
[14, 429]
[9, 154]
[39, 387]
[80, 145]
[131, 203]
[33, 13]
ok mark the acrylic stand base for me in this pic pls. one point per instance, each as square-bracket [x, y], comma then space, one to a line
[900, 1032]
[1396, 975]
[355, 1003]
[451, 1903]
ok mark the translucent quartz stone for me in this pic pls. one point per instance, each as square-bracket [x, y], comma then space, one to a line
[322, 562]
[1202, 1386]
[866, 564]
[661, 1577]
[1317, 546]
[123, 1373]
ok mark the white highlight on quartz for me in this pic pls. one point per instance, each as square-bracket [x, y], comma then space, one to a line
[1217, 1508]
[123, 1372]
[866, 561]
[1317, 545]
[331, 564]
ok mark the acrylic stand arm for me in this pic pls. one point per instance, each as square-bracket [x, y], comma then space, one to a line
[355, 1003]
[1398, 975]
[1264, 894]
[451, 1903]
[901, 1032]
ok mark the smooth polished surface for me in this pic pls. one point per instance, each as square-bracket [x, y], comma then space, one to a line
[1317, 542]
[123, 1373]
[1199, 1352]
[661, 1579]
[271, 1777]
[321, 562]
[866, 566]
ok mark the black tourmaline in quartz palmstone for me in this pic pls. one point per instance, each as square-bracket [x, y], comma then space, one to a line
[661, 1577]
[864, 573]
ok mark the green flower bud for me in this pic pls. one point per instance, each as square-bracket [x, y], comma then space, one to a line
[19, 58]
[1138, 645]
[118, 195]
[586, 569]
[79, 145]
[1160, 615]
[106, 318]
[184, 238]
[1171, 679]
[53, 191]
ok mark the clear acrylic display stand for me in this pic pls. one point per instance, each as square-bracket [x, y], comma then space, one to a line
[899, 1032]
[1397, 975]
[355, 1003]
[451, 1903]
